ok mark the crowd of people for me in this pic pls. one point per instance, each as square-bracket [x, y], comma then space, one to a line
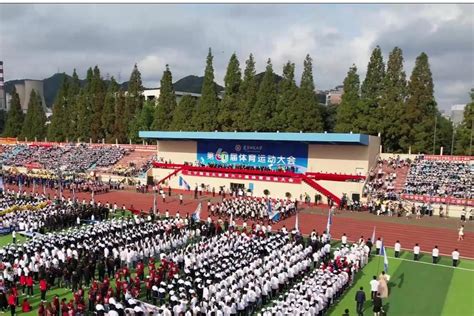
[253, 208]
[440, 178]
[381, 181]
[74, 158]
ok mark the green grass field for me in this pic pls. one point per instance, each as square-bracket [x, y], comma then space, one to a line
[417, 288]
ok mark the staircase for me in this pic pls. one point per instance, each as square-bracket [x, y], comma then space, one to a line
[320, 189]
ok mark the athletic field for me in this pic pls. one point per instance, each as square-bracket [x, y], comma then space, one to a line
[416, 288]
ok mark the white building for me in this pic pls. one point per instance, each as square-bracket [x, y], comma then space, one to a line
[154, 94]
[457, 113]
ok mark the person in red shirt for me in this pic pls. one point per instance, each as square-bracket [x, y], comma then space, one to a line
[43, 285]
[25, 307]
[12, 303]
[23, 283]
[29, 285]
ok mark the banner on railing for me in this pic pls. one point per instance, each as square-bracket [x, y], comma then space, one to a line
[239, 176]
[438, 199]
[449, 158]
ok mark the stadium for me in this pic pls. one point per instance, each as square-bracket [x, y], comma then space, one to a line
[309, 187]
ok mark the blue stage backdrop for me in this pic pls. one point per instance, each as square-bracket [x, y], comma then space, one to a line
[254, 153]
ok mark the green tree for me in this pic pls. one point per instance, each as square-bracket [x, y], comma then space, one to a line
[229, 104]
[463, 134]
[135, 90]
[15, 117]
[348, 109]
[72, 111]
[248, 97]
[183, 115]
[371, 93]
[207, 110]
[35, 119]
[392, 102]
[108, 114]
[421, 109]
[83, 118]
[308, 114]
[143, 121]
[264, 108]
[121, 123]
[3, 118]
[59, 126]
[166, 102]
[97, 98]
[286, 102]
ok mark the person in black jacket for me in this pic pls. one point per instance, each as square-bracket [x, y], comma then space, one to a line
[360, 300]
[377, 305]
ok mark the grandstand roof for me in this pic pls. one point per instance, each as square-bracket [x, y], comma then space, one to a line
[322, 138]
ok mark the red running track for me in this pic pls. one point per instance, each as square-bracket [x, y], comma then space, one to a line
[408, 235]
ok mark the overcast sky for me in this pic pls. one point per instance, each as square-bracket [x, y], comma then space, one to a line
[38, 40]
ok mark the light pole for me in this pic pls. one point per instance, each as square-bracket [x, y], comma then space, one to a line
[434, 135]
[452, 139]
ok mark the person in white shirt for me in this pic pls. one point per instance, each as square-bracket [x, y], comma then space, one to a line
[378, 246]
[416, 252]
[435, 254]
[374, 287]
[397, 249]
[455, 255]
[344, 239]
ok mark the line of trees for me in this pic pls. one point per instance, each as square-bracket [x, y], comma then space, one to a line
[403, 111]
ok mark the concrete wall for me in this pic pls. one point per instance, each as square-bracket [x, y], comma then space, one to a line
[177, 151]
[350, 159]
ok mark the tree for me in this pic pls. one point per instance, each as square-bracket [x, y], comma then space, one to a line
[3, 118]
[421, 109]
[205, 116]
[348, 109]
[182, 118]
[248, 97]
[108, 114]
[15, 117]
[308, 114]
[286, 102]
[229, 104]
[135, 90]
[121, 123]
[143, 121]
[392, 102]
[83, 117]
[464, 130]
[371, 93]
[35, 119]
[59, 126]
[264, 108]
[72, 111]
[166, 102]
[97, 97]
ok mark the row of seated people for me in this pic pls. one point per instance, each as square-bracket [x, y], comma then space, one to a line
[75, 158]
[440, 178]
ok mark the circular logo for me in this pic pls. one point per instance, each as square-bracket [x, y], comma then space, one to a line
[238, 147]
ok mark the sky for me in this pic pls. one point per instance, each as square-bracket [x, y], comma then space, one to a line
[37, 41]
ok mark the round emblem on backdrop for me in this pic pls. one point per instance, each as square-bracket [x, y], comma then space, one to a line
[238, 147]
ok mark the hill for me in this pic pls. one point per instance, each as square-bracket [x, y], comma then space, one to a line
[192, 84]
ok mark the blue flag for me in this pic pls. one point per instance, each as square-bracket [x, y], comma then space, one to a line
[385, 259]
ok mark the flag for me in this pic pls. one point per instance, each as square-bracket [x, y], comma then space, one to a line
[2, 186]
[231, 220]
[269, 207]
[373, 236]
[297, 224]
[328, 226]
[385, 259]
[183, 182]
[197, 213]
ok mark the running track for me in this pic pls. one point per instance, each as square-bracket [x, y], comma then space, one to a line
[408, 235]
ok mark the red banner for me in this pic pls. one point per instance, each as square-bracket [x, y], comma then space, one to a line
[449, 158]
[438, 199]
[239, 176]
